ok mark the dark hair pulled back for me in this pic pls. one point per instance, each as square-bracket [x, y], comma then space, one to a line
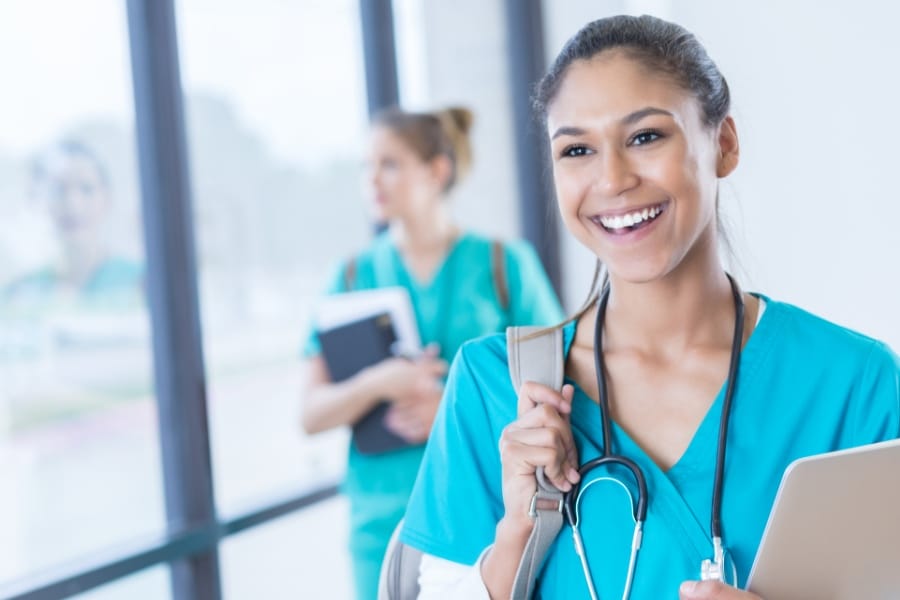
[658, 45]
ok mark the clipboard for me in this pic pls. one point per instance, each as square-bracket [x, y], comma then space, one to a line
[351, 347]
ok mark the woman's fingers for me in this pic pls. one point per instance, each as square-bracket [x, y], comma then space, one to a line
[524, 459]
[406, 424]
[712, 590]
[532, 394]
[558, 464]
[432, 366]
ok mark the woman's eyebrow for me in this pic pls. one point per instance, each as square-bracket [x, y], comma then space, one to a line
[564, 130]
[629, 119]
[637, 115]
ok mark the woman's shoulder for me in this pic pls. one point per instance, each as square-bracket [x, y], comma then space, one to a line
[483, 357]
[814, 334]
[482, 379]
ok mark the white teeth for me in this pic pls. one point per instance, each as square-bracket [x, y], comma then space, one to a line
[630, 219]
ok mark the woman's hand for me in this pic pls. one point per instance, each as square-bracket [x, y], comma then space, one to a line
[712, 590]
[540, 437]
[414, 388]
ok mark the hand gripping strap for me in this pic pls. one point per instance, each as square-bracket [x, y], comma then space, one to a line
[536, 354]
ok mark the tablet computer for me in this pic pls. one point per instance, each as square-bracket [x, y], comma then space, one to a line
[834, 530]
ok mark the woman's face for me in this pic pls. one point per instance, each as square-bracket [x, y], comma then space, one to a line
[636, 170]
[78, 200]
[401, 184]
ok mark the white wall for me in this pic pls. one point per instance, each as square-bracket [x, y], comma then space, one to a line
[814, 209]
[455, 53]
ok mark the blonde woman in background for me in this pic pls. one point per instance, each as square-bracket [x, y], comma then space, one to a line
[415, 161]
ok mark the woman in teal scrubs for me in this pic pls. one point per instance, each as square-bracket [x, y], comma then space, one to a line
[452, 278]
[70, 182]
[637, 117]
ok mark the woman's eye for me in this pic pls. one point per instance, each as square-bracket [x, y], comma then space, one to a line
[573, 151]
[645, 137]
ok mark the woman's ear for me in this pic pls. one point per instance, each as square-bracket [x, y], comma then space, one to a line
[441, 170]
[729, 148]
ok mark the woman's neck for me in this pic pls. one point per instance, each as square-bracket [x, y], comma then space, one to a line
[690, 307]
[80, 262]
[429, 232]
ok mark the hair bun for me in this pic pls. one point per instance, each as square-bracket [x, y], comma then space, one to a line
[456, 121]
[461, 118]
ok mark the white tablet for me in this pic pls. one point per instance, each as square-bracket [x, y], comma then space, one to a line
[339, 309]
[834, 531]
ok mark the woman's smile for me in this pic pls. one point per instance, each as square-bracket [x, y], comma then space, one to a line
[624, 225]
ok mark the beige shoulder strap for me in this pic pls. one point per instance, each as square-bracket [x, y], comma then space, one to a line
[498, 273]
[350, 275]
[536, 354]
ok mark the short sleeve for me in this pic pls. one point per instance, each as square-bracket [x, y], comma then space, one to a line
[878, 394]
[532, 298]
[457, 499]
[335, 285]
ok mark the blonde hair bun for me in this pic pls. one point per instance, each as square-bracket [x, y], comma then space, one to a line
[456, 121]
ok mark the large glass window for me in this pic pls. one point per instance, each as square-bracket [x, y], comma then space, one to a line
[310, 561]
[79, 450]
[149, 584]
[276, 119]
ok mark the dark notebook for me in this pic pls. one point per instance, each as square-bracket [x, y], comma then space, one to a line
[349, 348]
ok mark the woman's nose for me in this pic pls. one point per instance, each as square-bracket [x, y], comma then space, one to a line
[615, 174]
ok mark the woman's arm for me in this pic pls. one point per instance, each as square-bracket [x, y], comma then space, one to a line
[541, 436]
[327, 405]
[441, 579]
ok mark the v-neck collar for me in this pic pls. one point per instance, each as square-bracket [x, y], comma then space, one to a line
[439, 272]
[665, 488]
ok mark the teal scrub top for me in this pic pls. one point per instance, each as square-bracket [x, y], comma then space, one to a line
[459, 303]
[116, 284]
[805, 386]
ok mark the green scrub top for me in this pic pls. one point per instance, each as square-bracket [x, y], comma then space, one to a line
[804, 387]
[459, 303]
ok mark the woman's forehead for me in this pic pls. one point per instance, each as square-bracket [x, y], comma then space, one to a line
[610, 86]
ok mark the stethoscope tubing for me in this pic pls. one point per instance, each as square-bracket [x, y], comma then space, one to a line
[639, 510]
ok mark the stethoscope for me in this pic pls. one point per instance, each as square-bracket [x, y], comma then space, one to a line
[710, 568]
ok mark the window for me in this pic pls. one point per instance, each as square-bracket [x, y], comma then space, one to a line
[276, 129]
[311, 562]
[77, 415]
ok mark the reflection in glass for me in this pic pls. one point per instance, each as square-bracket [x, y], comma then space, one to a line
[79, 450]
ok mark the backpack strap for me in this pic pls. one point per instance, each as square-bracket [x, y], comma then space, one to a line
[350, 274]
[536, 354]
[498, 273]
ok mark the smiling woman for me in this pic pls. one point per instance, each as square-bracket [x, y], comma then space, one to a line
[710, 392]
[612, 162]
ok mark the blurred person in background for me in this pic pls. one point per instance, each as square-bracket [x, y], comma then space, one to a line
[415, 161]
[70, 182]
